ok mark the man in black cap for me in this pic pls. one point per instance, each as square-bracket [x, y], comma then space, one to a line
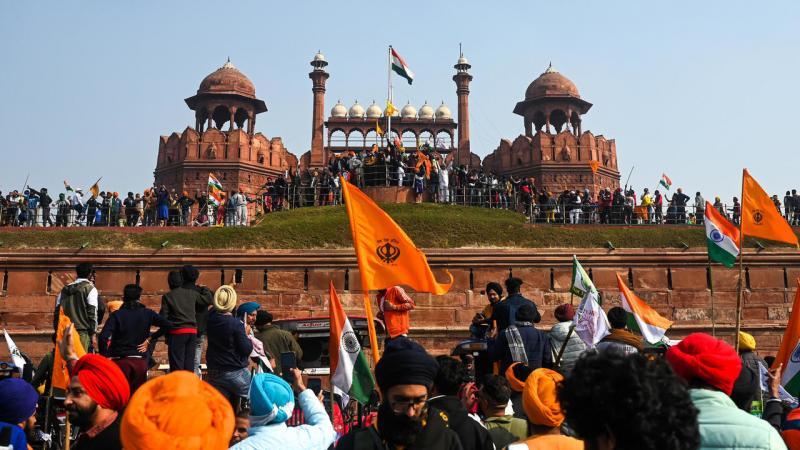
[187, 308]
[505, 311]
[405, 375]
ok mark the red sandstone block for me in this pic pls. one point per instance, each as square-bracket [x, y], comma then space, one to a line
[18, 320]
[433, 317]
[723, 279]
[319, 279]
[766, 277]
[212, 278]
[152, 301]
[684, 315]
[689, 279]
[562, 279]
[153, 281]
[455, 300]
[269, 302]
[483, 276]
[355, 280]
[27, 282]
[304, 300]
[754, 313]
[650, 278]
[44, 304]
[606, 278]
[792, 276]
[61, 279]
[778, 313]
[285, 280]
[690, 299]
[655, 298]
[724, 314]
[753, 298]
[558, 298]
[533, 278]
[111, 282]
[460, 279]
[252, 281]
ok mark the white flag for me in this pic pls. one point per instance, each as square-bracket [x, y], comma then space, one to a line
[591, 323]
[16, 356]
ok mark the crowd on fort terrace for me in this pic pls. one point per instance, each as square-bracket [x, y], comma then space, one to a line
[547, 390]
[427, 172]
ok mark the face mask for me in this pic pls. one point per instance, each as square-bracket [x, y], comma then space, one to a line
[398, 429]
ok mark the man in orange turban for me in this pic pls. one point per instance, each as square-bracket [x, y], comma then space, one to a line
[177, 411]
[539, 398]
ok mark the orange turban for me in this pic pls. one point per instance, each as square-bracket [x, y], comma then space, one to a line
[114, 306]
[516, 374]
[539, 398]
[177, 411]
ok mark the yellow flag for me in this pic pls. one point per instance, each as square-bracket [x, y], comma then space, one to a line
[95, 189]
[386, 255]
[60, 372]
[378, 128]
[760, 218]
[594, 165]
[390, 109]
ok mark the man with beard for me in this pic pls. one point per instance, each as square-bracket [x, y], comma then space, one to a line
[446, 385]
[405, 375]
[96, 395]
[17, 412]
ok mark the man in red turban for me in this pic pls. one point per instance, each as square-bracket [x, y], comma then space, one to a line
[97, 393]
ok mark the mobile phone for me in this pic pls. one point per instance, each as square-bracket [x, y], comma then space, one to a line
[288, 362]
[315, 384]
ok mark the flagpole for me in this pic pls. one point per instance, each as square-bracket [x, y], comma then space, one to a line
[390, 100]
[711, 285]
[741, 273]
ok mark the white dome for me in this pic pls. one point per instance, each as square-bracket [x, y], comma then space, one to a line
[408, 111]
[443, 112]
[356, 111]
[319, 57]
[339, 111]
[426, 111]
[374, 111]
[462, 60]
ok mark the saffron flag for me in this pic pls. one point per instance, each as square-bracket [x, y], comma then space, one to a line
[390, 109]
[722, 237]
[95, 189]
[651, 324]
[400, 67]
[423, 160]
[13, 351]
[215, 191]
[378, 128]
[789, 351]
[60, 372]
[386, 255]
[760, 218]
[665, 181]
[350, 372]
[594, 165]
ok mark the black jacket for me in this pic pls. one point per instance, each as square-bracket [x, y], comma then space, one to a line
[127, 328]
[435, 435]
[181, 305]
[537, 348]
[470, 433]
[505, 311]
[228, 346]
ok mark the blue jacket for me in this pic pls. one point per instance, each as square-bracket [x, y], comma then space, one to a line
[537, 348]
[505, 311]
[723, 425]
[316, 434]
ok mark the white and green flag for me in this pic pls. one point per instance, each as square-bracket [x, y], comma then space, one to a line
[590, 321]
[581, 283]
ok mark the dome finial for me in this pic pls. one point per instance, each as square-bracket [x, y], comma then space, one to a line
[228, 64]
[550, 68]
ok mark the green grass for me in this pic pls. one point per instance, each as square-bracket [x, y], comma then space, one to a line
[429, 225]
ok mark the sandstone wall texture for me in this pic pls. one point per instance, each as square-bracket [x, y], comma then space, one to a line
[294, 284]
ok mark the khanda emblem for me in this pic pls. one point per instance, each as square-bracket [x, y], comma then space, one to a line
[387, 251]
[758, 216]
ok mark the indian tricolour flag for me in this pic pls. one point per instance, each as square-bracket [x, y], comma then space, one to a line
[665, 181]
[722, 237]
[651, 324]
[350, 373]
[400, 67]
[214, 190]
[789, 351]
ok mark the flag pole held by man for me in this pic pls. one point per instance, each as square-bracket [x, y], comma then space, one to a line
[350, 371]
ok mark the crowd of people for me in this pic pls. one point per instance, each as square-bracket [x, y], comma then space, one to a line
[432, 177]
[546, 390]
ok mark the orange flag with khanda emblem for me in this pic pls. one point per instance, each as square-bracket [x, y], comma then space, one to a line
[760, 218]
[60, 372]
[386, 255]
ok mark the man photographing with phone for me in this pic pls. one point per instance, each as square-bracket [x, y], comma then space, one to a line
[272, 402]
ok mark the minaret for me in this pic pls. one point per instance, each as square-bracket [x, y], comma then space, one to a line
[462, 79]
[318, 77]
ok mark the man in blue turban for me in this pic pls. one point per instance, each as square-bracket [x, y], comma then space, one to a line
[17, 410]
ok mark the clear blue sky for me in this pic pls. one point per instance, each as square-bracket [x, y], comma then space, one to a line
[694, 89]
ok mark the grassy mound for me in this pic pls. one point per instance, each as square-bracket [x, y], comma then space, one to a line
[430, 225]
